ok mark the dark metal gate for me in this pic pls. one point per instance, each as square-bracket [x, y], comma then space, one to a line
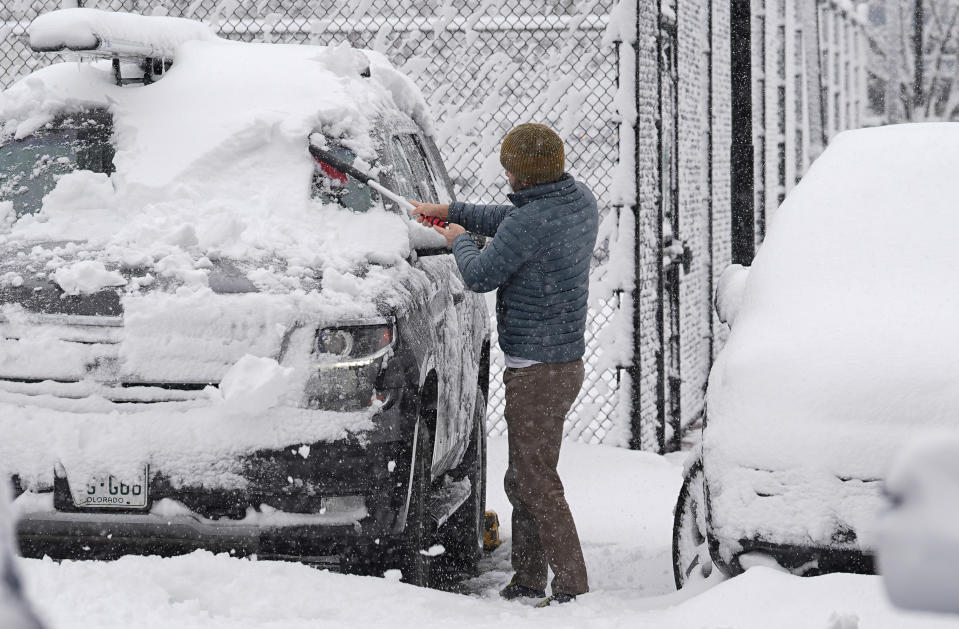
[673, 249]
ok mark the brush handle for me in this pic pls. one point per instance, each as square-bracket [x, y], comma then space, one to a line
[389, 194]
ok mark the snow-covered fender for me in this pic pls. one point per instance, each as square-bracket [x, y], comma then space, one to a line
[692, 465]
[451, 351]
[729, 292]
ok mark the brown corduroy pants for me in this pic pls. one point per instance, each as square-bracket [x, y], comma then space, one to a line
[537, 400]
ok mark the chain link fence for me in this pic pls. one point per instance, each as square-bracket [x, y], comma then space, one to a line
[484, 66]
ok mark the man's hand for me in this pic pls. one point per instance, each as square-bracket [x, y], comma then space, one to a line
[450, 232]
[430, 209]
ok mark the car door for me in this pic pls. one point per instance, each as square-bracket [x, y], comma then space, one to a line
[415, 180]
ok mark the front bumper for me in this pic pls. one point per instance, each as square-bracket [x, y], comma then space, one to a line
[96, 535]
[282, 511]
[809, 520]
[798, 559]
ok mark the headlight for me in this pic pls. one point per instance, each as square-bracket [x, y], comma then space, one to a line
[354, 341]
[348, 361]
[336, 342]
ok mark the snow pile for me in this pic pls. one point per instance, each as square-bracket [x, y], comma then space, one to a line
[197, 336]
[729, 292]
[85, 29]
[186, 441]
[919, 541]
[86, 277]
[844, 343]
[254, 384]
[626, 537]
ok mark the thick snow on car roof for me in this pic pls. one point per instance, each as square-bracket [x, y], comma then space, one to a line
[845, 342]
[218, 147]
[86, 29]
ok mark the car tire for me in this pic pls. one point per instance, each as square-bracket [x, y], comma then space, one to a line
[462, 534]
[415, 562]
[691, 559]
[402, 552]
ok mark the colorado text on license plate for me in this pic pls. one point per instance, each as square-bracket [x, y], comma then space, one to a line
[109, 491]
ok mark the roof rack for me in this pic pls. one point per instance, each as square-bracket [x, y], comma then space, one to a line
[150, 42]
[152, 69]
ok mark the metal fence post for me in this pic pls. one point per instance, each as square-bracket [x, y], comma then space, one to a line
[636, 427]
[742, 156]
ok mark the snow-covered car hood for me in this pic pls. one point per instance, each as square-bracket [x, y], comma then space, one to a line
[845, 341]
[184, 324]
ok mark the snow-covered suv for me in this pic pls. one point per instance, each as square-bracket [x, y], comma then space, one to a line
[211, 338]
[843, 345]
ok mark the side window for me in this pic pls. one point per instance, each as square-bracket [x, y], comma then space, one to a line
[443, 193]
[30, 168]
[332, 186]
[405, 179]
[421, 172]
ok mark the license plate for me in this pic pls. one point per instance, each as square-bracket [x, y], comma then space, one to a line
[112, 492]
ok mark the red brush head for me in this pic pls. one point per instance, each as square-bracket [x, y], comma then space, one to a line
[331, 172]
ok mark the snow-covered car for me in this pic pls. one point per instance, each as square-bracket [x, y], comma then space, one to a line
[842, 344]
[211, 338]
[918, 549]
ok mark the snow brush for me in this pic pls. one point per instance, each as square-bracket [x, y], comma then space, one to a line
[340, 168]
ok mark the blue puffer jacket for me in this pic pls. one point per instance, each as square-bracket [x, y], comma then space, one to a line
[539, 261]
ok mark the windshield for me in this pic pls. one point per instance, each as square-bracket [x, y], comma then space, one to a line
[330, 185]
[30, 168]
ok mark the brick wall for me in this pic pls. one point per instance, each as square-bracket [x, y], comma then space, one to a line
[704, 137]
[649, 240]
[695, 202]
[721, 136]
[808, 85]
[798, 104]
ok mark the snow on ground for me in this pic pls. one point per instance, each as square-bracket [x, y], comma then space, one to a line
[622, 501]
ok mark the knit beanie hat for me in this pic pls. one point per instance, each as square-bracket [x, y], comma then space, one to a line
[533, 153]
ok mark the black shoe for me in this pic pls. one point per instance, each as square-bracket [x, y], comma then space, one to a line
[559, 598]
[514, 590]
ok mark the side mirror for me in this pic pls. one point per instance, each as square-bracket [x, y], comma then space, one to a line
[729, 292]
[424, 240]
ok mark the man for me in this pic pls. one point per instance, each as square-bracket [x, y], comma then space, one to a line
[538, 262]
